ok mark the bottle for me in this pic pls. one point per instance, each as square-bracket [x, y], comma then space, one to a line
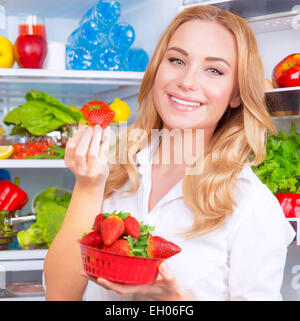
[106, 12]
[121, 36]
[3, 24]
[72, 39]
[79, 58]
[136, 59]
[92, 35]
[109, 59]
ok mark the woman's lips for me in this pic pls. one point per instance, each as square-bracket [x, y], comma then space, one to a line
[183, 104]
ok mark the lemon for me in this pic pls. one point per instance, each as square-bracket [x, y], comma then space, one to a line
[6, 151]
[121, 109]
[7, 58]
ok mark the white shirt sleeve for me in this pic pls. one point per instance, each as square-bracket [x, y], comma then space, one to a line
[258, 249]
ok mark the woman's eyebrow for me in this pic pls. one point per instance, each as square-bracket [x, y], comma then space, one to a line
[179, 50]
[183, 52]
[217, 59]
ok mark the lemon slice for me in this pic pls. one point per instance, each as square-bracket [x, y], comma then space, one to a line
[6, 151]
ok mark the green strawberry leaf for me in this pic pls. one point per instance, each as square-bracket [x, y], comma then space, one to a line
[139, 247]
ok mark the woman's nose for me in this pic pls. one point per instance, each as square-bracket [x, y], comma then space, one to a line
[189, 79]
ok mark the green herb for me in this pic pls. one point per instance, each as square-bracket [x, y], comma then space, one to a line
[41, 114]
[280, 170]
[139, 247]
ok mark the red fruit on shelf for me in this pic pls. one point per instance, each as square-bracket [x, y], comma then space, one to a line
[30, 51]
[287, 72]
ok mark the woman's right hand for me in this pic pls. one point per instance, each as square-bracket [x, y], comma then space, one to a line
[86, 155]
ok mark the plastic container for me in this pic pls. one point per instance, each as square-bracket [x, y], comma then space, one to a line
[79, 58]
[121, 36]
[136, 59]
[25, 289]
[106, 12]
[32, 25]
[119, 268]
[109, 59]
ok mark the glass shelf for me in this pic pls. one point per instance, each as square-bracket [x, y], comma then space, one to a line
[72, 83]
[262, 16]
[285, 100]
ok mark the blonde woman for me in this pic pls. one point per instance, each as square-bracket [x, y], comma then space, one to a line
[205, 77]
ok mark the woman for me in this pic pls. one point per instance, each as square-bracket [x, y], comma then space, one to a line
[205, 75]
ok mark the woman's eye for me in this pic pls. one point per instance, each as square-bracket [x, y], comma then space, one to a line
[215, 71]
[176, 61]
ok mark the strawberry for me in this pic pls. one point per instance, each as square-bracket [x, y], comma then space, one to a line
[97, 223]
[120, 246]
[160, 248]
[132, 227]
[111, 228]
[103, 117]
[93, 104]
[92, 239]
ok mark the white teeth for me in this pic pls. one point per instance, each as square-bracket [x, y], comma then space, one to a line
[184, 102]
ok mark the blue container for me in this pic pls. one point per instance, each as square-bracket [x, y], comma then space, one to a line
[4, 175]
[121, 36]
[109, 59]
[135, 59]
[106, 12]
[79, 58]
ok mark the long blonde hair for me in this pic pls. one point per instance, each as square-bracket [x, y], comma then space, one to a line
[238, 139]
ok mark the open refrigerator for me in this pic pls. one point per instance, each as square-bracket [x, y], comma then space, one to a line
[277, 27]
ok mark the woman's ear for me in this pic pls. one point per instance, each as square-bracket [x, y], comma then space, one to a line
[235, 100]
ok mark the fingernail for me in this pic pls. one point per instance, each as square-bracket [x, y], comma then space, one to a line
[163, 267]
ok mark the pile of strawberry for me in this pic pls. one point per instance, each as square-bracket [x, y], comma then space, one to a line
[121, 233]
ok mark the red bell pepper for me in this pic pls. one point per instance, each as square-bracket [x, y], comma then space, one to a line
[12, 197]
[290, 204]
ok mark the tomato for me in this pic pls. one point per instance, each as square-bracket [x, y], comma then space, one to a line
[18, 147]
[93, 104]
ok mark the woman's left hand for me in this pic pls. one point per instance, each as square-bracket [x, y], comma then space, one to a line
[164, 288]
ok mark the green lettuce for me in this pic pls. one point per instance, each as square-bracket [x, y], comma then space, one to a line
[41, 114]
[50, 210]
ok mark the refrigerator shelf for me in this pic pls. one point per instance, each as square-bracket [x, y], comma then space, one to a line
[91, 77]
[262, 16]
[69, 84]
[32, 163]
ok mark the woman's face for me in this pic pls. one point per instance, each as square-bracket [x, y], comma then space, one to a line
[197, 78]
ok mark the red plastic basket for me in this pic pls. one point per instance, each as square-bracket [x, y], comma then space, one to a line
[118, 268]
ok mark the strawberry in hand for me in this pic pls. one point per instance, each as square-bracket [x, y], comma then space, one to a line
[101, 117]
[160, 248]
[120, 247]
[111, 228]
[132, 227]
[97, 223]
[93, 104]
[92, 239]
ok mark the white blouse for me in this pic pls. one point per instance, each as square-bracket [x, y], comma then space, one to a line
[242, 260]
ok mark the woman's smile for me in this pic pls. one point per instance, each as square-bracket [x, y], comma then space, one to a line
[184, 104]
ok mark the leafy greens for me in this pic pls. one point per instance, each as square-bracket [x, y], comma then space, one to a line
[41, 114]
